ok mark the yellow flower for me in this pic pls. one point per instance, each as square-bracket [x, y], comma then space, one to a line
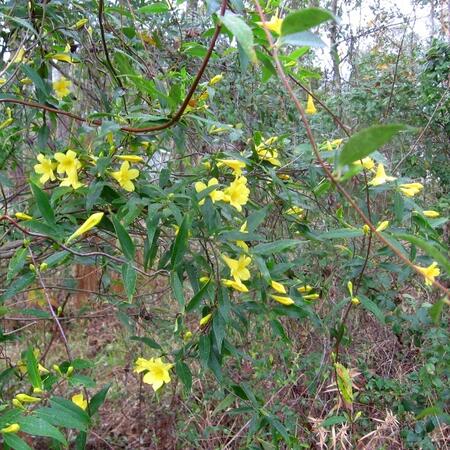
[204, 320]
[13, 428]
[157, 371]
[287, 301]
[382, 225]
[17, 404]
[131, 158]
[310, 107]
[380, 177]
[238, 267]
[71, 180]
[216, 79]
[242, 244]
[88, 224]
[23, 216]
[2, 81]
[62, 87]
[368, 163]
[304, 289]
[268, 154]
[355, 301]
[237, 193]
[233, 164]
[237, 285]
[215, 195]
[125, 175]
[366, 228]
[68, 163]
[410, 189]
[65, 57]
[80, 401]
[336, 143]
[311, 296]
[274, 24]
[278, 287]
[295, 211]
[430, 213]
[25, 398]
[430, 272]
[45, 168]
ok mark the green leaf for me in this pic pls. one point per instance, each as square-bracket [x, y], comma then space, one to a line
[129, 277]
[372, 307]
[333, 420]
[37, 426]
[344, 382]
[16, 263]
[32, 369]
[98, 399]
[185, 374]
[276, 247]
[343, 233]
[126, 243]
[304, 19]
[155, 8]
[367, 141]
[197, 298]
[430, 411]
[64, 413]
[242, 32]
[147, 341]
[304, 38]
[15, 442]
[428, 248]
[177, 288]
[41, 88]
[43, 204]
[180, 244]
[17, 286]
[436, 310]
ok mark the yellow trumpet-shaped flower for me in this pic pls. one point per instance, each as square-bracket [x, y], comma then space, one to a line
[410, 189]
[62, 87]
[80, 401]
[236, 285]
[88, 224]
[204, 320]
[430, 272]
[25, 398]
[236, 194]
[131, 158]
[71, 180]
[125, 175]
[240, 243]
[382, 225]
[157, 374]
[286, 301]
[278, 287]
[268, 154]
[310, 107]
[23, 216]
[215, 195]
[45, 168]
[274, 24]
[380, 177]
[13, 428]
[238, 267]
[68, 163]
[367, 162]
[233, 164]
[431, 214]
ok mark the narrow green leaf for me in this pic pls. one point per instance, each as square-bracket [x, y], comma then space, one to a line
[304, 19]
[17, 286]
[275, 247]
[177, 288]
[16, 263]
[147, 341]
[372, 307]
[180, 244]
[305, 38]
[367, 141]
[15, 442]
[32, 369]
[343, 233]
[185, 374]
[98, 399]
[197, 298]
[43, 204]
[242, 32]
[129, 277]
[126, 243]
[37, 426]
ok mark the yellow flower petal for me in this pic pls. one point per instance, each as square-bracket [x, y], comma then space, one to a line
[80, 401]
[431, 214]
[287, 301]
[204, 320]
[278, 287]
[13, 428]
[89, 223]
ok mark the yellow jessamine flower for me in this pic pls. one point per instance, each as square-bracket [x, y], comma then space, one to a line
[45, 168]
[215, 195]
[430, 272]
[157, 371]
[25, 398]
[305, 289]
[274, 24]
[17, 404]
[236, 194]
[286, 301]
[88, 224]
[233, 164]
[431, 214]
[380, 177]
[310, 107]
[238, 267]
[311, 296]
[382, 225]
[268, 154]
[236, 285]
[356, 301]
[68, 163]
[240, 243]
[131, 158]
[62, 87]
[23, 216]
[80, 401]
[71, 180]
[204, 320]
[215, 79]
[278, 287]
[410, 189]
[367, 162]
[125, 175]
[13, 428]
